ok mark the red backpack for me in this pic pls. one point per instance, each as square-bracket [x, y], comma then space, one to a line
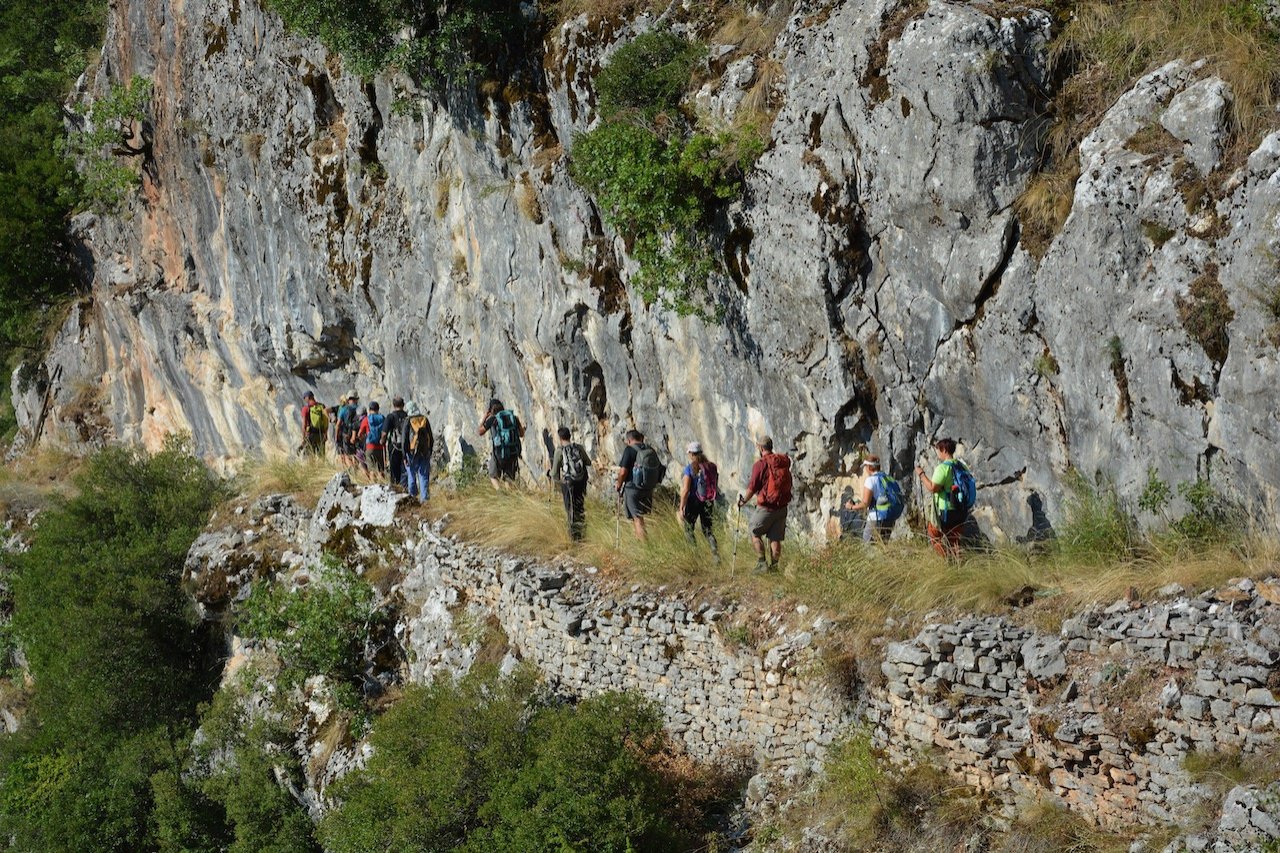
[776, 491]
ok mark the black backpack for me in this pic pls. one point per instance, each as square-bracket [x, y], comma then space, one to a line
[648, 470]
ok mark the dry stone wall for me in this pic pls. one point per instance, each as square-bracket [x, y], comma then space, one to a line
[1100, 715]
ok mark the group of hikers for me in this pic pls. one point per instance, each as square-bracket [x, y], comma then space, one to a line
[398, 446]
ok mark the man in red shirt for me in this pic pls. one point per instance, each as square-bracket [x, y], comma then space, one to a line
[770, 485]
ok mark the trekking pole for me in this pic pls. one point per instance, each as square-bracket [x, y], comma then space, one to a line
[737, 525]
[617, 521]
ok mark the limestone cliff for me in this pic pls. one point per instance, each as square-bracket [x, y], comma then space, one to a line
[299, 227]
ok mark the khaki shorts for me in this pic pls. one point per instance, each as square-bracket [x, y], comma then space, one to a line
[769, 523]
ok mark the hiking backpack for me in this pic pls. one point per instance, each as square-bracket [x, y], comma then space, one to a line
[395, 430]
[506, 435]
[776, 491]
[347, 416]
[317, 419]
[421, 441]
[376, 421]
[706, 486]
[890, 504]
[573, 465]
[964, 489]
[648, 470]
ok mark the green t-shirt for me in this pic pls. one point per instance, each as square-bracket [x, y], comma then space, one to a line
[944, 476]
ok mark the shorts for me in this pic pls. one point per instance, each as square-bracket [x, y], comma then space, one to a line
[503, 469]
[376, 458]
[635, 503]
[769, 523]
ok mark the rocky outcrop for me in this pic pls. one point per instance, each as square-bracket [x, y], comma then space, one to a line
[1100, 716]
[300, 227]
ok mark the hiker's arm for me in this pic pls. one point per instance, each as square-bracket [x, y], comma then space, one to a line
[556, 462]
[684, 492]
[865, 503]
[929, 484]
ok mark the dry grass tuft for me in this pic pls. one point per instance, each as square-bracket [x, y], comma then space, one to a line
[32, 480]
[1103, 46]
[303, 476]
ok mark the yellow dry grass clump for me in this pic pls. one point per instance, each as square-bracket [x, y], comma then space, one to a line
[849, 580]
[32, 479]
[302, 475]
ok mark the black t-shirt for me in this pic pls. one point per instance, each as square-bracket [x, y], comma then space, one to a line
[628, 460]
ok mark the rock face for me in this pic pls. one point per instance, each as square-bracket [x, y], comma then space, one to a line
[299, 227]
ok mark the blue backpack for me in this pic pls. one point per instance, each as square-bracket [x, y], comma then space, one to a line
[376, 421]
[964, 489]
[890, 503]
[506, 435]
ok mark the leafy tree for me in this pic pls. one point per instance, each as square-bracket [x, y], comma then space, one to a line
[117, 657]
[446, 41]
[490, 764]
[44, 45]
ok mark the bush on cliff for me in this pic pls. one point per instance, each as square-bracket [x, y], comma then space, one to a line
[116, 653]
[659, 180]
[442, 42]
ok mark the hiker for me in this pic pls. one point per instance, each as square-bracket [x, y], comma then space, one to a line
[881, 499]
[699, 487]
[395, 433]
[770, 484]
[373, 432]
[569, 468]
[639, 473]
[348, 426]
[357, 440]
[953, 488]
[506, 432]
[315, 424]
[418, 443]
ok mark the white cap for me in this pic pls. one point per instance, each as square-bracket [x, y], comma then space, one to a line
[694, 447]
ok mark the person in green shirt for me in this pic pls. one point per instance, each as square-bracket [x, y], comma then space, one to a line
[947, 518]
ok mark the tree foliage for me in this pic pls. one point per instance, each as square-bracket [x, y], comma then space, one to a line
[44, 45]
[115, 651]
[436, 41]
[490, 764]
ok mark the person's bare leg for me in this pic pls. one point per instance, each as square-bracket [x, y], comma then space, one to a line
[776, 549]
[638, 522]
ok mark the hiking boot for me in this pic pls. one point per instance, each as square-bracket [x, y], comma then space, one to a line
[761, 566]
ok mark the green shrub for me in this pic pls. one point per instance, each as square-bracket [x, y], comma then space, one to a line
[1097, 527]
[490, 764]
[106, 181]
[1212, 517]
[111, 639]
[449, 42]
[438, 753]
[319, 629]
[659, 182]
[647, 75]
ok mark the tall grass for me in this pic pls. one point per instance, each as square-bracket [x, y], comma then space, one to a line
[862, 585]
[303, 476]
